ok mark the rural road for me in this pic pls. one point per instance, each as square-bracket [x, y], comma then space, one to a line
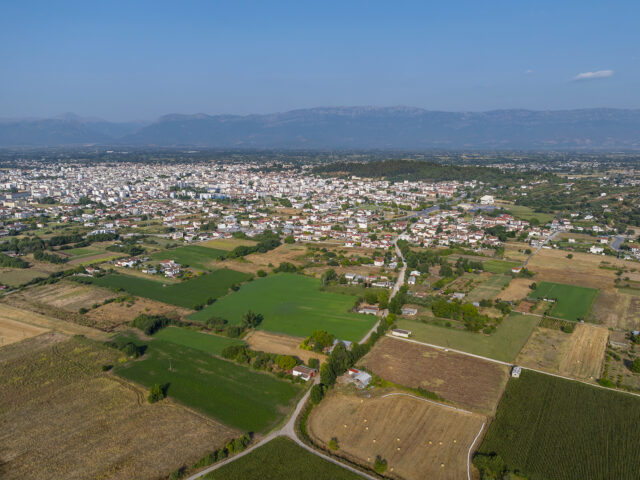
[549, 238]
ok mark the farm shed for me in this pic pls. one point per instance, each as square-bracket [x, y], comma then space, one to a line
[409, 311]
[399, 332]
[359, 378]
[306, 373]
[516, 371]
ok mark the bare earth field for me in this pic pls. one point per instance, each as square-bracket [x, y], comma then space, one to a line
[260, 261]
[463, 380]
[18, 314]
[67, 295]
[585, 355]
[544, 350]
[12, 331]
[110, 316]
[418, 439]
[617, 310]
[282, 344]
[517, 290]
[62, 417]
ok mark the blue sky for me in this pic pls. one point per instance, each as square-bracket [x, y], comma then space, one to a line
[139, 59]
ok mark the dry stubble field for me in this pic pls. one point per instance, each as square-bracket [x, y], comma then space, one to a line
[617, 310]
[466, 381]
[517, 290]
[282, 344]
[62, 417]
[12, 331]
[419, 439]
[112, 315]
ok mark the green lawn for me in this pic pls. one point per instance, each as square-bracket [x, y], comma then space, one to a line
[231, 393]
[554, 429]
[504, 344]
[292, 304]
[82, 252]
[499, 266]
[572, 303]
[281, 459]
[184, 294]
[527, 213]
[192, 255]
[196, 340]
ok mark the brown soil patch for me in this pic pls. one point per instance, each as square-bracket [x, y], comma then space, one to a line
[418, 439]
[282, 344]
[260, 261]
[12, 331]
[112, 315]
[517, 289]
[585, 353]
[617, 310]
[544, 350]
[466, 381]
[64, 418]
[524, 306]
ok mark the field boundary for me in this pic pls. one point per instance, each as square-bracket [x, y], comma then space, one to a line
[429, 401]
[471, 448]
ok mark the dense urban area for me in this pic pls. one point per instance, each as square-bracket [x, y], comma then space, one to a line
[183, 314]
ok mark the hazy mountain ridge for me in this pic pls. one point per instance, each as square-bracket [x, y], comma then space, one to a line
[348, 128]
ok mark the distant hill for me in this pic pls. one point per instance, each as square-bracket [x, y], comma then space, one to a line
[392, 128]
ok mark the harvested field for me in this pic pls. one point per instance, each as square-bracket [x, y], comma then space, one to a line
[419, 439]
[466, 381]
[282, 344]
[517, 290]
[25, 316]
[67, 295]
[228, 243]
[55, 395]
[585, 352]
[616, 309]
[12, 331]
[110, 316]
[544, 350]
[257, 261]
[15, 277]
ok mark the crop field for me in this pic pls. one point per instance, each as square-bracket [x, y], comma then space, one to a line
[418, 439]
[294, 305]
[489, 289]
[545, 350]
[585, 352]
[503, 344]
[281, 459]
[111, 316]
[267, 261]
[499, 266]
[468, 382]
[66, 295]
[81, 252]
[62, 417]
[15, 277]
[555, 429]
[282, 344]
[185, 294]
[572, 303]
[617, 309]
[227, 243]
[517, 290]
[12, 331]
[527, 213]
[195, 256]
[229, 392]
[196, 340]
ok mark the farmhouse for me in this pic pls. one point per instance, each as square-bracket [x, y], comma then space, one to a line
[398, 332]
[359, 378]
[409, 311]
[369, 310]
[306, 373]
[596, 250]
[516, 270]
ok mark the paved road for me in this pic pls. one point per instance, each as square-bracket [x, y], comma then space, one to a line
[549, 238]
[617, 241]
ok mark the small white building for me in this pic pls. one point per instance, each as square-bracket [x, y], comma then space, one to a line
[516, 371]
[306, 373]
[399, 332]
[486, 200]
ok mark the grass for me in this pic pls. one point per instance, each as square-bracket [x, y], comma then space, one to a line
[191, 255]
[294, 305]
[185, 294]
[499, 266]
[489, 288]
[280, 459]
[228, 243]
[198, 341]
[82, 252]
[504, 344]
[527, 213]
[550, 428]
[572, 303]
[228, 392]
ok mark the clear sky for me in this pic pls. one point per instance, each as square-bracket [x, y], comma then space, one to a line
[137, 60]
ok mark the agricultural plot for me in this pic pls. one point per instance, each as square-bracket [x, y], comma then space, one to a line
[227, 243]
[555, 429]
[281, 459]
[517, 290]
[12, 331]
[489, 289]
[545, 350]
[66, 295]
[194, 256]
[617, 309]
[503, 344]
[62, 417]
[113, 315]
[198, 341]
[185, 294]
[499, 266]
[585, 353]
[294, 305]
[229, 392]
[14, 277]
[262, 341]
[571, 302]
[466, 381]
[419, 439]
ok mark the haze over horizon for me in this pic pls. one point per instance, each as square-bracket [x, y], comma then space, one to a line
[123, 62]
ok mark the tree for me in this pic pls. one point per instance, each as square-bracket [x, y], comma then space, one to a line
[313, 363]
[286, 362]
[380, 465]
[252, 320]
[262, 273]
[316, 394]
[635, 366]
[289, 239]
[157, 392]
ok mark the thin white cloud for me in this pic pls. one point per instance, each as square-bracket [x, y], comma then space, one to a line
[593, 75]
[528, 72]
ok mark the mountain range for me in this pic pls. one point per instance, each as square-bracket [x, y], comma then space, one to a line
[391, 128]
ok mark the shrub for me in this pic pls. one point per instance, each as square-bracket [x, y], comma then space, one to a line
[150, 324]
[380, 465]
[333, 444]
[635, 366]
[262, 273]
[316, 394]
[157, 392]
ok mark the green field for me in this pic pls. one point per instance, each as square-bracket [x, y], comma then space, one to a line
[527, 213]
[281, 459]
[572, 303]
[499, 266]
[196, 340]
[504, 344]
[489, 288]
[184, 294]
[228, 243]
[292, 304]
[191, 255]
[227, 391]
[554, 429]
[82, 252]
